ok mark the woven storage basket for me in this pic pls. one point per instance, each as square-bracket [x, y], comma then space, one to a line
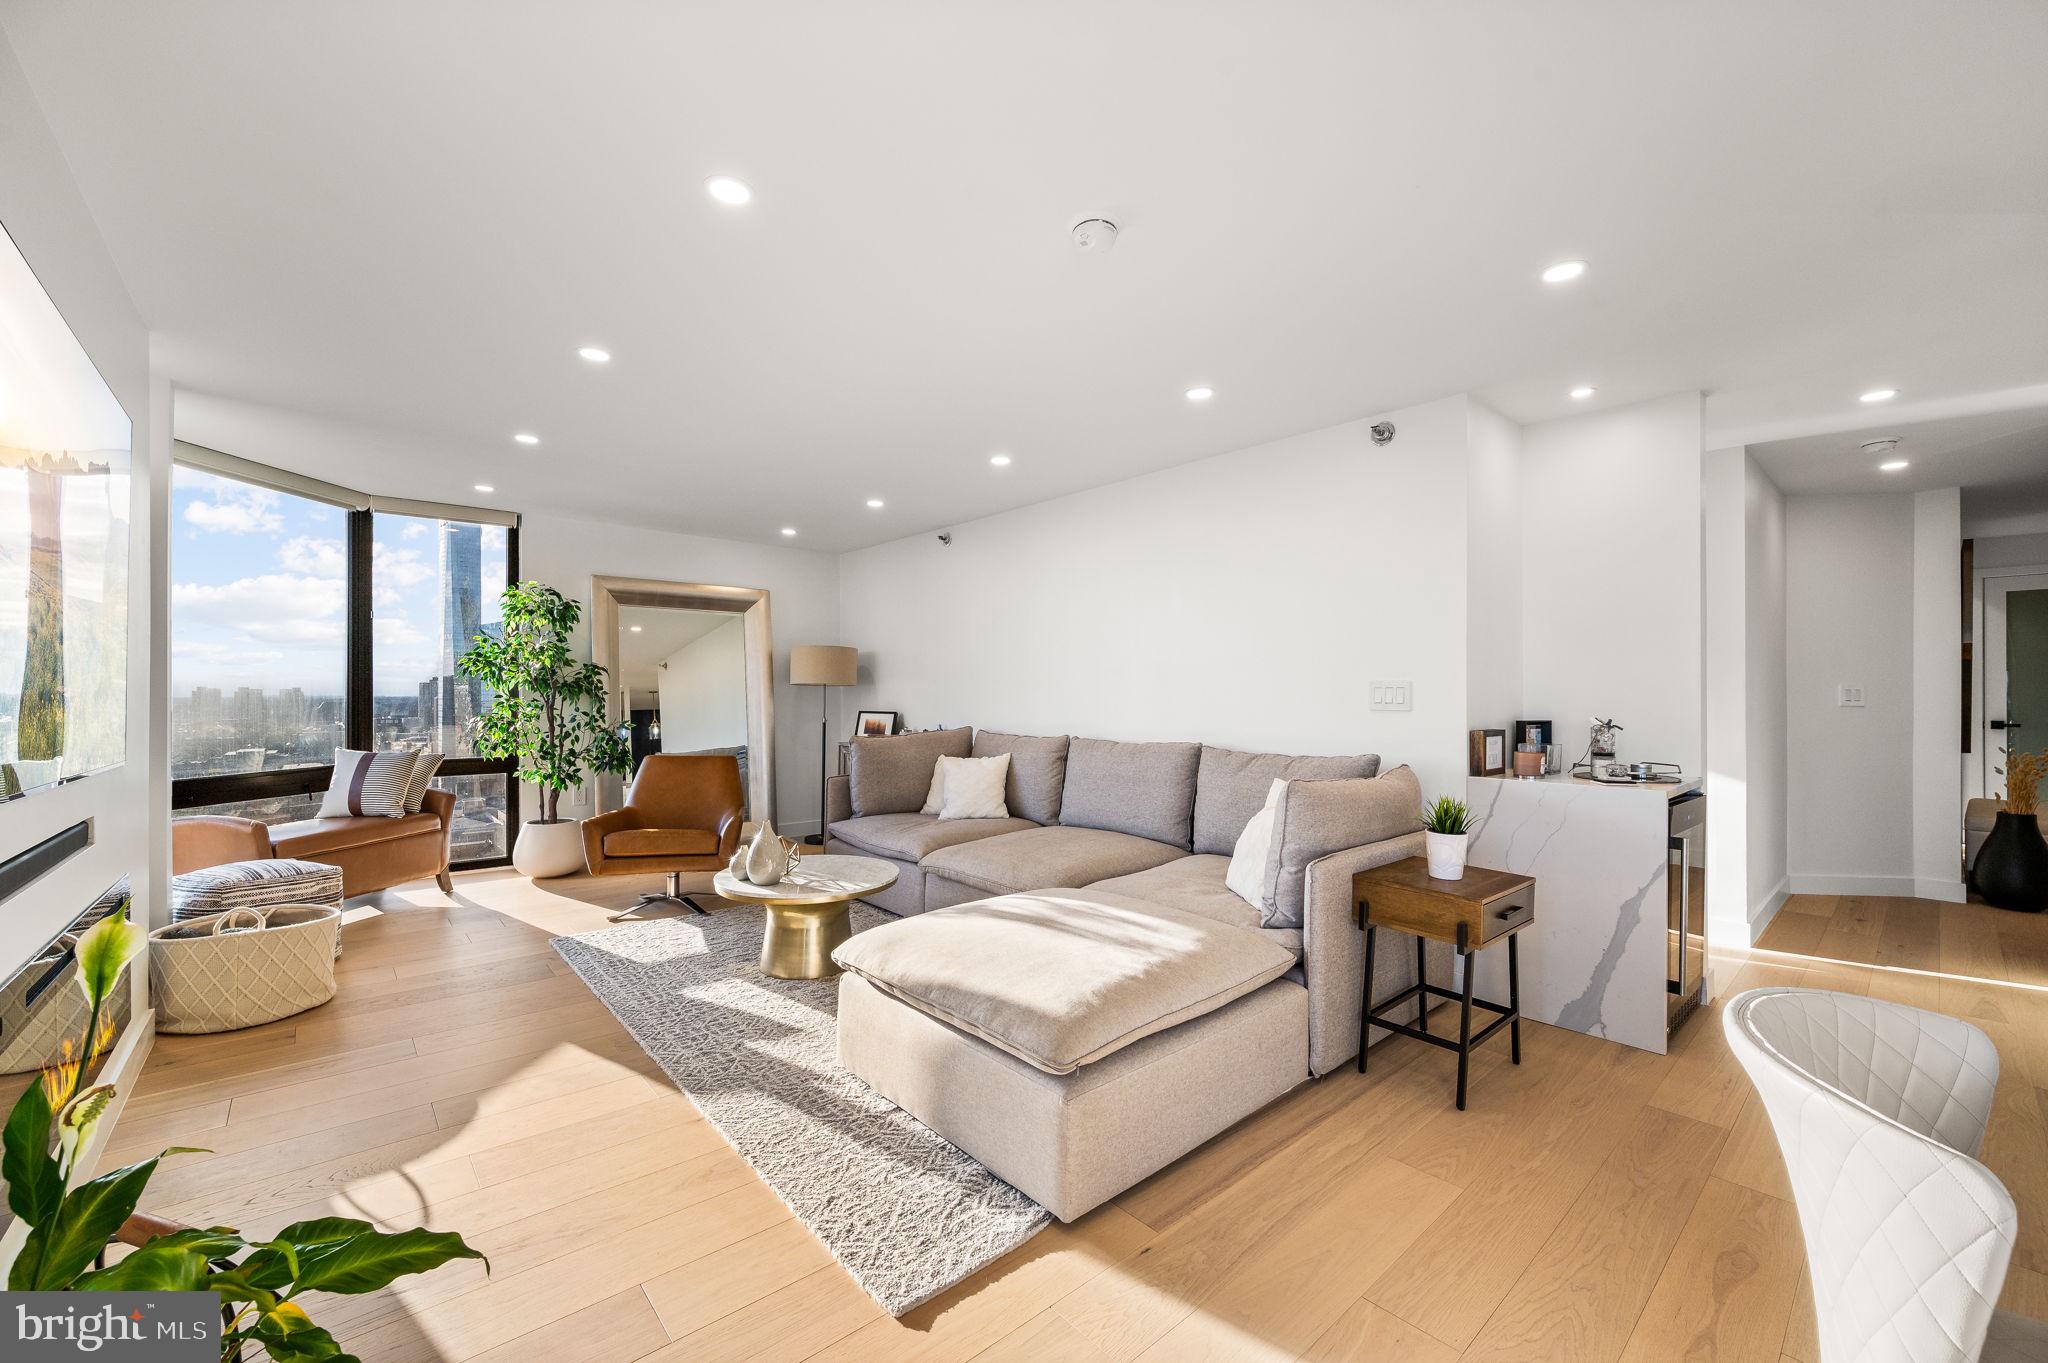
[242, 967]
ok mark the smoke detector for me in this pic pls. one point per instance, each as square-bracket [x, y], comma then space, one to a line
[1094, 236]
[1878, 449]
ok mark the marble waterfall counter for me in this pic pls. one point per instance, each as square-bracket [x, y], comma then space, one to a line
[1595, 959]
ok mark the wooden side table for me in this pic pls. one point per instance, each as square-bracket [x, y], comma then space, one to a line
[1470, 914]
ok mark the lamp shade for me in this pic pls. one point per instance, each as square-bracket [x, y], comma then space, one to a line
[824, 665]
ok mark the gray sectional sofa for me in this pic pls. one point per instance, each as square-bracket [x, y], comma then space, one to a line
[1075, 996]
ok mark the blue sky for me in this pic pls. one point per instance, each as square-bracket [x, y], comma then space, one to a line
[259, 593]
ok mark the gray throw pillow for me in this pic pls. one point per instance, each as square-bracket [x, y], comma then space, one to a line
[1316, 818]
[1232, 786]
[893, 775]
[1038, 772]
[1144, 789]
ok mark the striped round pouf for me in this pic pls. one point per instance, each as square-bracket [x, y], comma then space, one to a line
[255, 885]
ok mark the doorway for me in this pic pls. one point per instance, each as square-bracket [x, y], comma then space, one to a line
[2015, 669]
[689, 671]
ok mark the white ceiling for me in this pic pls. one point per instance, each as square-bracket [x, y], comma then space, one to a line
[663, 630]
[407, 217]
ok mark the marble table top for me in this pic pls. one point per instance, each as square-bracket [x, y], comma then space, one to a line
[815, 880]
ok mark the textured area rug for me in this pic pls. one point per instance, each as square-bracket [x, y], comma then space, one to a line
[906, 1212]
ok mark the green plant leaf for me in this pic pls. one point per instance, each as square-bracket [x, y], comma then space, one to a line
[34, 1185]
[88, 1217]
[290, 1336]
[153, 1268]
[103, 952]
[328, 1230]
[372, 1260]
[218, 1242]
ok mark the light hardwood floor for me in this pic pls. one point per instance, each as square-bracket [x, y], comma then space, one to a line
[1595, 1204]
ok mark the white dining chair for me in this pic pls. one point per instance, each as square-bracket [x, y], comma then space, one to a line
[1879, 1110]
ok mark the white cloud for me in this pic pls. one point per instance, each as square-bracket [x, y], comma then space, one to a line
[215, 653]
[400, 567]
[275, 607]
[414, 529]
[314, 557]
[236, 509]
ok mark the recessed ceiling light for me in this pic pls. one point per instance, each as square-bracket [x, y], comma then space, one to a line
[1582, 392]
[1201, 393]
[527, 438]
[1564, 272]
[1001, 461]
[1891, 465]
[789, 530]
[727, 190]
[1879, 395]
[633, 629]
[485, 487]
[874, 503]
[595, 354]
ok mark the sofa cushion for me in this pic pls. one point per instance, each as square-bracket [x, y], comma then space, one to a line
[1196, 885]
[972, 787]
[308, 838]
[892, 775]
[913, 837]
[1317, 818]
[1063, 977]
[661, 842]
[1231, 787]
[1036, 858]
[1038, 772]
[1144, 789]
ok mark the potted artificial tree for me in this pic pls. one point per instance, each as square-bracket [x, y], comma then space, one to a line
[548, 711]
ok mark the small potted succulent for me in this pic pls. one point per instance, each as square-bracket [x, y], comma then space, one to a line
[1446, 829]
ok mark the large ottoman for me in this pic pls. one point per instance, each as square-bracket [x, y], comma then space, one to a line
[1073, 1041]
[255, 885]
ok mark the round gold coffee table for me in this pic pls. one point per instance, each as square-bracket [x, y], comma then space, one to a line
[807, 915]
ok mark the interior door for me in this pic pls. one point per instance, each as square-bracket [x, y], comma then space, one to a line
[2015, 669]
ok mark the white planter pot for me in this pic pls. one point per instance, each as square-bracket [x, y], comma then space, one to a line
[549, 849]
[1446, 855]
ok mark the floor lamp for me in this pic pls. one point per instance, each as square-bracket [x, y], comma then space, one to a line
[824, 666]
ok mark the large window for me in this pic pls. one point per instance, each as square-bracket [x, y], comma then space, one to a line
[300, 625]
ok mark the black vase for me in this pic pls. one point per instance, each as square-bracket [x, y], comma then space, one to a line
[2012, 865]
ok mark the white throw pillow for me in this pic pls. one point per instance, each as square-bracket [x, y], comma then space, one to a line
[935, 799]
[367, 783]
[974, 787]
[1252, 858]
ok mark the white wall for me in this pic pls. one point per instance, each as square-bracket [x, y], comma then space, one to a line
[41, 209]
[1493, 559]
[1611, 585]
[1244, 600]
[2011, 551]
[566, 553]
[1766, 833]
[703, 691]
[1937, 694]
[1849, 619]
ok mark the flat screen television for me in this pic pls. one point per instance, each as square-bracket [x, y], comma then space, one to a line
[64, 523]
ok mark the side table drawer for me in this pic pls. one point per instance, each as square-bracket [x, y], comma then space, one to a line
[1506, 914]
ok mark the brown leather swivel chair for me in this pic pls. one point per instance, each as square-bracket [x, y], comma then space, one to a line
[682, 815]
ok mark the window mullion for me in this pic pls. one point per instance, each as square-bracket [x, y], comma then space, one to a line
[361, 700]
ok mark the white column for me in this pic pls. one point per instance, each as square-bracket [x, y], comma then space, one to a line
[1937, 694]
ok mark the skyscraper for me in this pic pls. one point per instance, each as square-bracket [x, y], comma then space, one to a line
[458, 697]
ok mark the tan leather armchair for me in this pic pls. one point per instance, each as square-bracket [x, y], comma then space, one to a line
[373, 853]
[682, 815]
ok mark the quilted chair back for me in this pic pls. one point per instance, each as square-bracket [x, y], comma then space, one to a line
[1878, 1109]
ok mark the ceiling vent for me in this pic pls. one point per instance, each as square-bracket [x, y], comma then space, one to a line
[1880, 448]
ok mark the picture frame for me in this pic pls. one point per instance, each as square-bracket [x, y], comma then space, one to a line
[1489, 752]
[1545, 732]
[875, 723]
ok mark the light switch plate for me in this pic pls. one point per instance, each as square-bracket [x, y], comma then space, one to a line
[1849, 695]
[1390, 695]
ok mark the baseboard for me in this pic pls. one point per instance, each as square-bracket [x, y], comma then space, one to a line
[1947, 891]
[1764, 910]
[1900, 886]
